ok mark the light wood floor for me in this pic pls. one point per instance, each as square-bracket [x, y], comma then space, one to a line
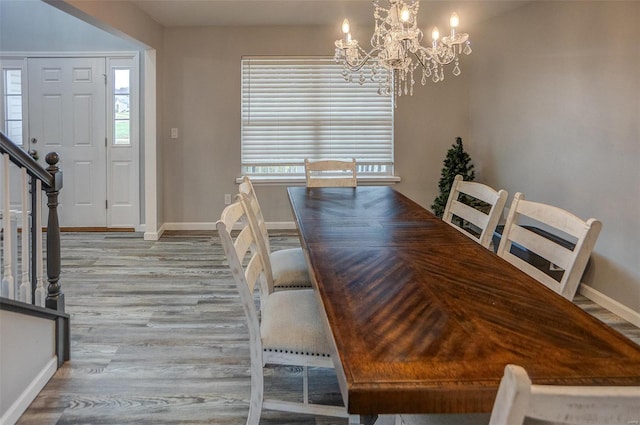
[158, 337]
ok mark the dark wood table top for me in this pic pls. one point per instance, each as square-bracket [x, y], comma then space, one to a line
[424, 320]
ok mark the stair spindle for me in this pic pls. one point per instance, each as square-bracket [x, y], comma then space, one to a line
[25, 281]
[8, 288]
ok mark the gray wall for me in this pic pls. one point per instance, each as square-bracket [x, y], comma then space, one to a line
[555, 114]
[202, 92]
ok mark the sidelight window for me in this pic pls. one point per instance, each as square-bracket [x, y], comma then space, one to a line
[121, 102]
[12, 104]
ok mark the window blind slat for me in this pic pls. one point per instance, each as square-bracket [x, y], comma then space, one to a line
[296, 108]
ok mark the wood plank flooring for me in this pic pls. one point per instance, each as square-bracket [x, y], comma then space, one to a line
[158, 337]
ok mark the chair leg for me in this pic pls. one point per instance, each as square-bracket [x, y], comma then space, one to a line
[305, 384]
[257, 394]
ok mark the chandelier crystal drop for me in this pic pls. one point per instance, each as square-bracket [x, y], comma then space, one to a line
[396, 47]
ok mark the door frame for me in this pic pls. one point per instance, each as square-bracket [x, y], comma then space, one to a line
[20, 60]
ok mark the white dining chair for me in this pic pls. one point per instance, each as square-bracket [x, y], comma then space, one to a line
[570, 262]
[285, 268]
[287, 330]
[463, 214]
[518, 399]
[330, 173]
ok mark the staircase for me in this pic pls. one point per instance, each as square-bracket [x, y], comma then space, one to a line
[34, 328]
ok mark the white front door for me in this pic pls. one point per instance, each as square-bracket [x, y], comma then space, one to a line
[67, 101]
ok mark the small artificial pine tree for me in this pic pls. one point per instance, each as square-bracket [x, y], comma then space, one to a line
[456, 162]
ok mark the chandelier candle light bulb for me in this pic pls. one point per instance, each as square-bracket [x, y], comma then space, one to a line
[345, 26]
[405, 14]
[435, 35]
[454, 22]
[396, 47]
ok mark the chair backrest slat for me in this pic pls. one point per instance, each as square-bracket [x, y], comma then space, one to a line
[472, 215]
[330, 173]
[239, 249]
[572, 261]
[246, 188]
[259, 226]
[540, 245]
[485, 222]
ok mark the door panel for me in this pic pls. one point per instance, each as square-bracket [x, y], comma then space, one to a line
[67, 100]
[51, 117]
[83, 186]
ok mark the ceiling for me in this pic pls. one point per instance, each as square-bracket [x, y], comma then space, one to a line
[178, 13]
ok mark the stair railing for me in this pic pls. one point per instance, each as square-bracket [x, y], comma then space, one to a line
[28, 285]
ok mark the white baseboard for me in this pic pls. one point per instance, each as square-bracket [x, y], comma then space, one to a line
[281, 225]
[272, 225]
[154, 236]
[16, 410]
[190, 226]
[610, 304]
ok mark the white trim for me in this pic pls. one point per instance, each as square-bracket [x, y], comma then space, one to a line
[190, 226]
[71, 54]
[281, 225]
[148, 108]
[116, 217]
[21, 404]
[154, 236]
[610, 304]
[206, 226]
[301, 181]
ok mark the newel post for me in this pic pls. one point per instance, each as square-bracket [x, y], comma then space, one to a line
[55, 297]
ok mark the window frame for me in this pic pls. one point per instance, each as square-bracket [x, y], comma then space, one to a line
[114, 66]
[13, 63]
[369, 171]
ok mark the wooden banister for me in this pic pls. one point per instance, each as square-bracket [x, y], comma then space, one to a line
[48, 180]
[22, 159]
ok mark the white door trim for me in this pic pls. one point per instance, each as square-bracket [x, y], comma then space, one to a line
[143, 134]
[151, 230]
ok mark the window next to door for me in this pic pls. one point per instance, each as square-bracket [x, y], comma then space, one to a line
[13, 117]
[121, 102]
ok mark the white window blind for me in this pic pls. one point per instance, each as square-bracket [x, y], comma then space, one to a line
[297, 108]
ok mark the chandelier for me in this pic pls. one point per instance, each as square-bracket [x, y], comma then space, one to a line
[396, 47]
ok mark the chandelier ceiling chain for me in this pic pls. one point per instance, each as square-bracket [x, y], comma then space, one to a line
[396, 47]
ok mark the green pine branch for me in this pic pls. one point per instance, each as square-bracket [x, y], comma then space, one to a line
[456, 162]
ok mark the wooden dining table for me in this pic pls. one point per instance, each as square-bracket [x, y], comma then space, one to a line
[422, 319]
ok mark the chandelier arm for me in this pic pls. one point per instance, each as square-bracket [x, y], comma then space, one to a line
[358, 66]
[436, 57]
[420, 60]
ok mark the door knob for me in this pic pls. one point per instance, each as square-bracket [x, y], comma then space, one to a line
[33, 154]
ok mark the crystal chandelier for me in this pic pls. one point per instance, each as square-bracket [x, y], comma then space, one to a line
[396, 47]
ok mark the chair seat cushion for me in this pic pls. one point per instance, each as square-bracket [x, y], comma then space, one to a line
[289, 269]
[291, 322]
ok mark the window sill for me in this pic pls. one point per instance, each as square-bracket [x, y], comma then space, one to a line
[300, 181]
